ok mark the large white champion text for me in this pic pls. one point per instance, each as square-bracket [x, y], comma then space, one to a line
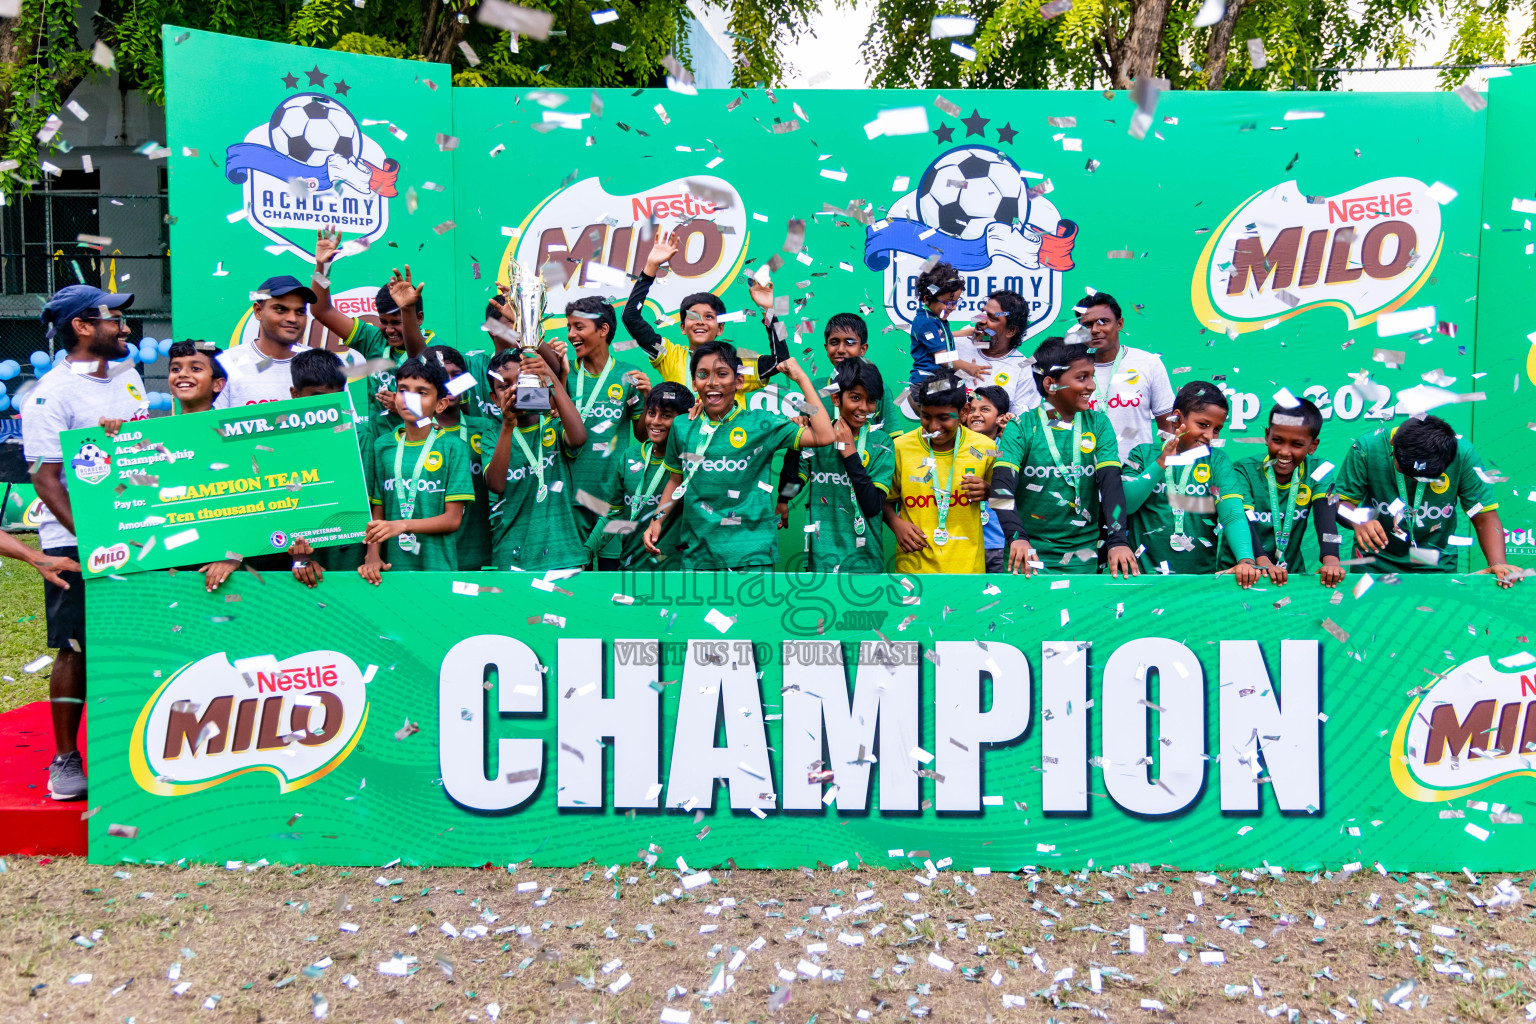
[865, 718]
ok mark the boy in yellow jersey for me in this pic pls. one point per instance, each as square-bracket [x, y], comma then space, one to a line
[943, 472]
[701, 313]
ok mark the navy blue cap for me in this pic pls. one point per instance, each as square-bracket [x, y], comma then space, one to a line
[285, 285]
[75, 300]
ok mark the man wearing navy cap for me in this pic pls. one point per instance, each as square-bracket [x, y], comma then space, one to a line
[258, 370]
[86, 388]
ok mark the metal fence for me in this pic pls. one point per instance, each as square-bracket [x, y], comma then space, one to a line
[63, 236]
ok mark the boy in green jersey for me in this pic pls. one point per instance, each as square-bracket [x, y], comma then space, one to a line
[478, 434]
[620, 535]
[420, 484]
[610, 401]
[316, 371]
[1177, 492]
[723, 462]
[1282, 491]
[1400, 487]
[398, 337]
[1060, 465]
[846, 483]
[846, 336]
[533, 523]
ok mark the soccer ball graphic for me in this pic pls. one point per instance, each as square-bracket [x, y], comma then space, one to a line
[91, 453]
[965, 190]
[310, 127]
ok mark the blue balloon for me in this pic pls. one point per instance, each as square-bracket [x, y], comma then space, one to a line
[149, 351]
[165, 345]
[9, 369]
[58, 357]
[5, 401]
[40, 358]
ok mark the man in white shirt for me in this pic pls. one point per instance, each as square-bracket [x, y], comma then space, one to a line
[1132, 385]
[259, 370]
[82, 391]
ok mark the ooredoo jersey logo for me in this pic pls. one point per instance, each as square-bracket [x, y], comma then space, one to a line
[598, 238]
[1473, 726]
[974, 209]
[297, 719]
[1365, 252]
[313, 137]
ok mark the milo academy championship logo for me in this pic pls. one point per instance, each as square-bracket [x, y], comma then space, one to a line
[974, 209]
[310, 166]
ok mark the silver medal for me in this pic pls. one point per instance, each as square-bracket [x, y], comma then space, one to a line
[1181, 542]
[409, 544]
[543, 493]
[940, 536]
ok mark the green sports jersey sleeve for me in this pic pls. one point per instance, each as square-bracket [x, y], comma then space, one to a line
[376, 466]
[785, 433]
[1472, 489]
[1354, 476]
[458, 480]
[1011, 444]
[1141, 476]
[367, 339]
[673, 459]
[882, 465]
[1106, 448]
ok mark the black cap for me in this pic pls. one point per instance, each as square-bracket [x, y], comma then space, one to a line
[284, 284]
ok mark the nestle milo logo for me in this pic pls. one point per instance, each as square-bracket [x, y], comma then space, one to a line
[297, 719]
[1473, 726]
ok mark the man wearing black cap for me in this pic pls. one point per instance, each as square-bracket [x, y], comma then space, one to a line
[81, 391]
[258, 370]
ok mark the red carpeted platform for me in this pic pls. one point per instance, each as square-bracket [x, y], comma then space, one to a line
[30, 822]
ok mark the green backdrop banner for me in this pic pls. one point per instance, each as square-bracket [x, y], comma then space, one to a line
[777, 720]
[1255, 239]
[1506, 326]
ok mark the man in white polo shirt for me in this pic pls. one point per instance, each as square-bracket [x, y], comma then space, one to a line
[258, 370]
[1132, 384]
[82, 391]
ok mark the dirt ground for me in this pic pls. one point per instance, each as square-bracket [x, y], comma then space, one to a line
[81, 942]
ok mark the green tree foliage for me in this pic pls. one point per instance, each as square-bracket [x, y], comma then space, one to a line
[1109, 43]
[41, 62]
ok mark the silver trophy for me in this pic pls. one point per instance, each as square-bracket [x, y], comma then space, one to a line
[526, 304]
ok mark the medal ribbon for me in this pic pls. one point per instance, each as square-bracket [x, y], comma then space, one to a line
[407, 507]
[942, 498]
[1101, 394]
[1283, 536]
[584, 407]
[1077, 449]
[534, 463]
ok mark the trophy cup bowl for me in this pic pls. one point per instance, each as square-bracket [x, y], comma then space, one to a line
[527, 304]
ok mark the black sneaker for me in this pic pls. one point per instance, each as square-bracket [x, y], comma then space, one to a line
[66, 777]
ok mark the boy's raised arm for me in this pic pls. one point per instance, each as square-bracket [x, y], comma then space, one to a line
[338, 323]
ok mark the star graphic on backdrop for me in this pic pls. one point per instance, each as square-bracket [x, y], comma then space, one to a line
[291, 80]
[944, 132]
[1006, 133]
[341, 87]
[316, 77]
[975, 124]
